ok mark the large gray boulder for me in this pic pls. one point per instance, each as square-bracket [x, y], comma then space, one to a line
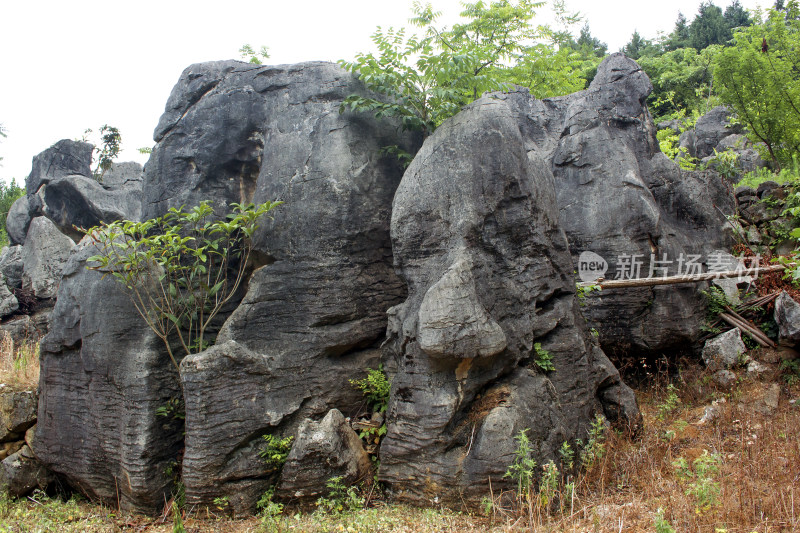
[314, 316]
[18, 220]
[322, 450]
[11, 266]
[44, 254]
[476, 236]
[62, 188]
[103, 376]
[787, 316]
[724, 351]
[17, 412]
[76, 202]
[621, 198]
[709, 131]
[8, 302]
[21, 473]
[64, 158]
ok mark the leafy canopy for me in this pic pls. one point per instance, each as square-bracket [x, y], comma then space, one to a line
[758, 77]
[427, 77]
[181, 268]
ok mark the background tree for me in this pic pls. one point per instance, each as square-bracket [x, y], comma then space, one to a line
[9, 193]
[247, 53]
[679, 38]
[638, 47]
[429, 77]
[736, 16]
[763, 87]
[709, 27]
[681, 81]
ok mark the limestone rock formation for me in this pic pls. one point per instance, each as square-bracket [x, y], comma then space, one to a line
[476, 236]
[79, 202]
[11, 266]
[62, 188]
[787, 316]
[22, 472]
[17, 413]
[64, 158]
[8, 302]
[621, 198]
[43, 257]
[322, 450]
[724, 350]
[103, 376]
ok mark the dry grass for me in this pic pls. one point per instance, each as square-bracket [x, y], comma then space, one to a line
[19, 365]
[756, 487]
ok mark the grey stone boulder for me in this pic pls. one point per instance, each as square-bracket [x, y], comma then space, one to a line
[476, 237]
[787, 316]
[314, 313]
[123, 175]
[724, 350]
[11, 266]
[322, 450]
[8, 302]
[21, 473]
[18, 220]
[712, 128]
[103, 375]
[621, 198]
[17, 413]
[64, 158]
[44, 254]
[76, 202]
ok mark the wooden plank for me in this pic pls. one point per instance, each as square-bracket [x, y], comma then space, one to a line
[673, 280]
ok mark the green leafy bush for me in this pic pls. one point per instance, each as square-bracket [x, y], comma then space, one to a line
[522, 469]
[340, 499]
[181, 268]
[375, 388]
[543, 358]
[275, 451]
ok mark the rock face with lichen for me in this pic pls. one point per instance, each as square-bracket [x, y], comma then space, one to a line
[621, 198]
[476, 236]
[459, 279]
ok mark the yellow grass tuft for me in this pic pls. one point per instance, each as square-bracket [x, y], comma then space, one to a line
[19, 365]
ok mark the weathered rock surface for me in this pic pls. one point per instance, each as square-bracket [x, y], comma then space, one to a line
[103, 375]
[44, 254]
[787, 316]
[62, 188]
[11, 266]
[64, 158]
[22, 472]
[724, 350]
[78, 201]
[8, 302]
[322, 450]
[621, 198]
[476, 236]
[310, 320]
[710, 129]
[17, 413]
[18, 220]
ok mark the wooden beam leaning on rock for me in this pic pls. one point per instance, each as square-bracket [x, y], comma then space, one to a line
[673, 280]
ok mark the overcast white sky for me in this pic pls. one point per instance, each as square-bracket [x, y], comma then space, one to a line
[72, 65]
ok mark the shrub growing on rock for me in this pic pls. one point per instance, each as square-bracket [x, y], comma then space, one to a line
[181, 268]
